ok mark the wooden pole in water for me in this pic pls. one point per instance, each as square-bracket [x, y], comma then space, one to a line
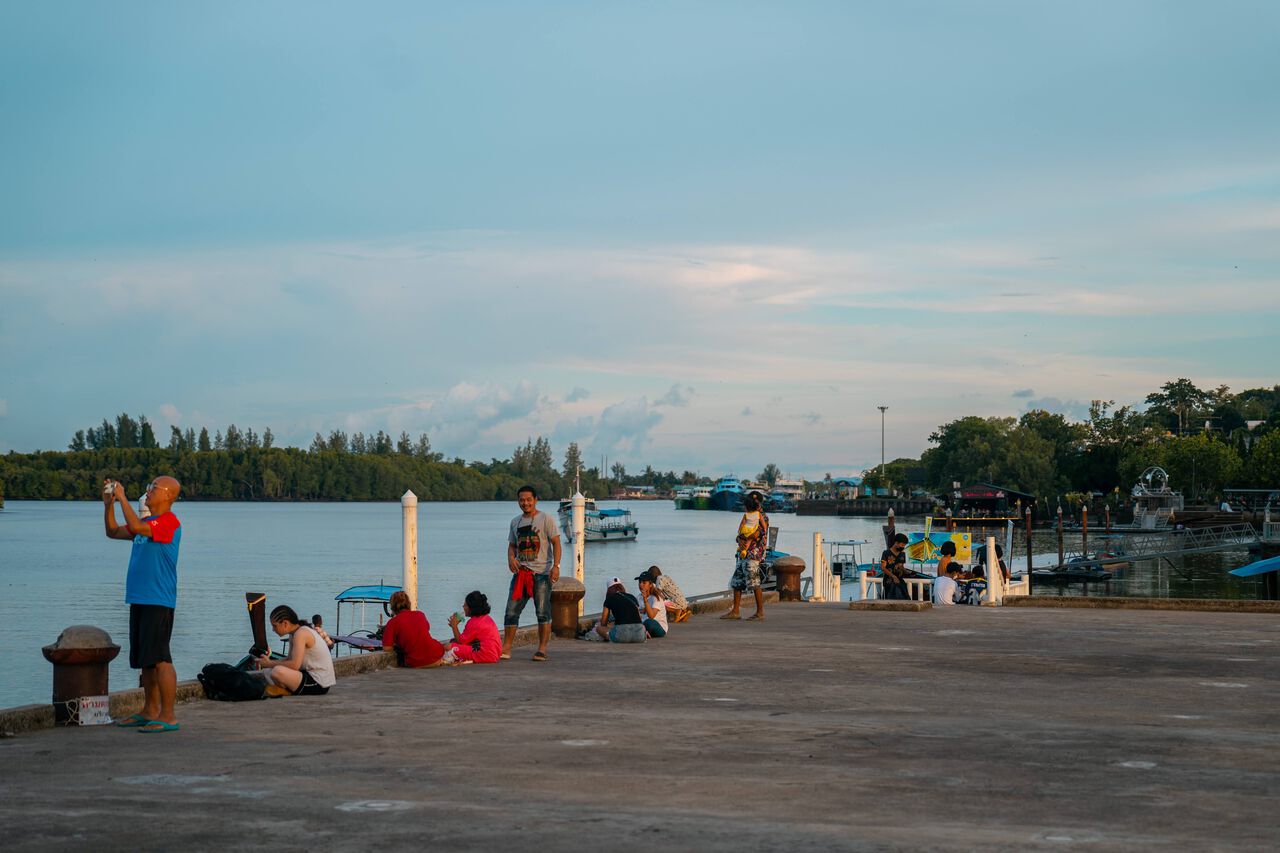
[1028, 517]
[1061, 555]
[1084, 531]
[1106, 518]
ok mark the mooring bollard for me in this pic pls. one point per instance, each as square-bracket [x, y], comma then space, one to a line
[788, 571]
[80, 659]
[566, 595]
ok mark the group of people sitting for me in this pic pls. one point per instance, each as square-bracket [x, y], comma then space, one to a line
[625, 618]
[953, 585]
[307, 670]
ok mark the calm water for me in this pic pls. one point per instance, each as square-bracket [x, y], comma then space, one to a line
[58, 569]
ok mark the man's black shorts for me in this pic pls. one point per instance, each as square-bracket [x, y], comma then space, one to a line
[150, 626]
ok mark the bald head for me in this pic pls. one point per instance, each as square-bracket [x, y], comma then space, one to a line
[161, 494]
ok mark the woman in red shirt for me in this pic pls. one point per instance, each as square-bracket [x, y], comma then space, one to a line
[409, 634]
[479, 641]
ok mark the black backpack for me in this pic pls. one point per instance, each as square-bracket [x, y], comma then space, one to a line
[227, 683]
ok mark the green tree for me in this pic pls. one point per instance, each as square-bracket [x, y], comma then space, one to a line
[968, 450]
[1178, 402]
[1066, 440]
[769, 475]
[204, 445]
[1263, 471]
[572, 461]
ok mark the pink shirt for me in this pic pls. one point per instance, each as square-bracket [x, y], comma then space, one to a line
[484, 629]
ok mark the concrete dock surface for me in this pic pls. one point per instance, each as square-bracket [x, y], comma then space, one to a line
[819, 729]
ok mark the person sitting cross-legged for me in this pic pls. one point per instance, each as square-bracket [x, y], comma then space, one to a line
[308, 671]
[945, 589]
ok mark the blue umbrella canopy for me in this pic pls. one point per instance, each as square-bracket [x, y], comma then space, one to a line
[1271, 564]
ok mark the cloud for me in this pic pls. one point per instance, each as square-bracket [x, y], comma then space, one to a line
[678, 396]
[4, 408]
[1073, 410]
[1025, 392]
[464, 416]
[578, 393]
[746, 411]
[810, 418]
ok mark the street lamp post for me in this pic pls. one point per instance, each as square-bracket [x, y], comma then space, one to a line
[882, 411]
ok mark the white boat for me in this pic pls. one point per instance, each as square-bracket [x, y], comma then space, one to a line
[602, 525]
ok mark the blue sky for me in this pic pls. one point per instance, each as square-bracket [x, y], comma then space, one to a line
[697, 235]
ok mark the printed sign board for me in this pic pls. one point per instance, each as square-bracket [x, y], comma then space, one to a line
[94, 711]
[922, 549]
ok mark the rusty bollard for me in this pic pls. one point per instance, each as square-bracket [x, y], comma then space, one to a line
[788, 571]
[81, 659]
[565, 595]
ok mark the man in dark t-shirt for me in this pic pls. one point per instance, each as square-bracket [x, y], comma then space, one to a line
[893, 568]
[620, 621]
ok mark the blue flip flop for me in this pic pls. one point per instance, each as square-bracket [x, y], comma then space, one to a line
[134, 721]
[156, 727]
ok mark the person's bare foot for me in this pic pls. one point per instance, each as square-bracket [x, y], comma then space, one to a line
[732, 614]
[756, 616]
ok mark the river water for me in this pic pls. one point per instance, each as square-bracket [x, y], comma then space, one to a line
[58, 569]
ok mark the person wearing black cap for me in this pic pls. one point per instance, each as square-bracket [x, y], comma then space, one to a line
[652, 607]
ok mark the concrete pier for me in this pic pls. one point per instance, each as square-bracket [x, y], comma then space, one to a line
[821, 728]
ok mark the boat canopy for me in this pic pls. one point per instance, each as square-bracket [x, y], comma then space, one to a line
[367, 593]
[613, 513]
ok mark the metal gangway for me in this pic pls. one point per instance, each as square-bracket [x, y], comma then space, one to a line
[1156, 544]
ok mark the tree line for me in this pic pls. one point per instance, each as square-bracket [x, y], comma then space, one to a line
[243, 465]
[1206, 440]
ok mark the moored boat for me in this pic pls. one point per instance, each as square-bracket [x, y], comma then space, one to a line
[727, 494]
[601, 525]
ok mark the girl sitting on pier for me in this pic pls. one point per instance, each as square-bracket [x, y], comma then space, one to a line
[308, 671]
[479, 642]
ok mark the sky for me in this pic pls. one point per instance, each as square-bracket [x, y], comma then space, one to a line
[696, 235]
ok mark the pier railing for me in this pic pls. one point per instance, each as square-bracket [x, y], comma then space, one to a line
[826, 585]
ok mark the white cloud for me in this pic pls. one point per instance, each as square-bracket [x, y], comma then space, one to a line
[678, 396]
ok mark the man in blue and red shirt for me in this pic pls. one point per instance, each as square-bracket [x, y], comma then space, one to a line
[151, 591]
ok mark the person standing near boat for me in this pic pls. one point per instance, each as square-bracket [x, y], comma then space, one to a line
[151, 591]
[753, 534]
[533, 556]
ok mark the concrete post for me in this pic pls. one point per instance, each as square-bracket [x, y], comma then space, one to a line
[862, 585]
[409, 541]
[995, 579]
[580, 542]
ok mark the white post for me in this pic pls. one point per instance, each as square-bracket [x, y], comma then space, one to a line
[409, 539]
[579, 541]
[995, 580]
[862, 585]
[819, 583]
